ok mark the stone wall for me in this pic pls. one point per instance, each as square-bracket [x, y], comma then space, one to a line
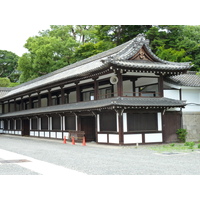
[191, 122]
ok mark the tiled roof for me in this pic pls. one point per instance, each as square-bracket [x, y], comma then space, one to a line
[149, 65]
[115, 102]
[102, 61]
[190, 79]
[4, 91]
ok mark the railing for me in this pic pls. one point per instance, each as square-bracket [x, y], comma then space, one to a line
[130, 94]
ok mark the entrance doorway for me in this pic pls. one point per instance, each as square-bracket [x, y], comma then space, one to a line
[171, 122]
[88, 126]
[25, 127]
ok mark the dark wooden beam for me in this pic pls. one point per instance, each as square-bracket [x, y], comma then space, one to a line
[160, 85]
[119, 84]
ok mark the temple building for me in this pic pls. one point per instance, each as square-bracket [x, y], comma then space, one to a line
[120, 96]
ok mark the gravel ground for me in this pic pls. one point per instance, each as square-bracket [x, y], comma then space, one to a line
[96, 159]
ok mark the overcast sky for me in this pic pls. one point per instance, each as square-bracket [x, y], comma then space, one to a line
[21, 19]
[13, 37]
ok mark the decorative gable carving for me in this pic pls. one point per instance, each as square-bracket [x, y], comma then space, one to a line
[142, 55]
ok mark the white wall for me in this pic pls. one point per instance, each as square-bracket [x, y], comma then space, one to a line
[191, 96]
[172, 94]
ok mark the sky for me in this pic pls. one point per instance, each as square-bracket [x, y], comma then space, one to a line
[22, 19]
[13, 38]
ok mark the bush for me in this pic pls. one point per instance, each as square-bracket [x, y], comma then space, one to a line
[182, 133]
[189, 144]
[198, 146]
[172, 145]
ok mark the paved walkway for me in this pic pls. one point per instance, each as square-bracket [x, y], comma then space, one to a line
[52, 157]
[14, 163]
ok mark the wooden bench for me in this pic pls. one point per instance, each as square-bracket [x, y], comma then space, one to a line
[78, 135]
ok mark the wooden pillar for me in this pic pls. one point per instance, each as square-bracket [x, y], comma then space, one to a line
[62, 99]
[67, 98]
[30, 101]
[133, 86]
[15, 105]
[8, 106]
[21, 105]
[3, 108]
[39, 100]
[78, 92]
[96, 88]
[120, 127]
[160, 86]
[49, 98]
[119, 84]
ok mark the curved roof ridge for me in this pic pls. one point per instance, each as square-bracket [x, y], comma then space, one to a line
[135, 45]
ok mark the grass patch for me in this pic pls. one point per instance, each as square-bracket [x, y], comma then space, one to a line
[177, 147]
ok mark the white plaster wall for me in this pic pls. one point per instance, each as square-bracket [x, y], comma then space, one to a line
[191, 96]
[172, 94]
[53, 135]
[153, 137]
[102, 138]
[159, 116]
[113, 138]
[59, 135]
[125, 128]
[132, 138]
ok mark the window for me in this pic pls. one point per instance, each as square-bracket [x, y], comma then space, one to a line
[34, 124]
[6, 124]
[105, 93]
[12, 124]
[142, 121]
[18, 124]
[88, 96]
[70, 123]
[108, 121]
[56, 122]
[44, 123]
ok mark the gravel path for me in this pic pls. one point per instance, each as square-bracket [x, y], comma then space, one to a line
[94, 159]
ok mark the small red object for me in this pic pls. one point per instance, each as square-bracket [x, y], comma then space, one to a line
[83, 144]
[64, 141]
[73, 141]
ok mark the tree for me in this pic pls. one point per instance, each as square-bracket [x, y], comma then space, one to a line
[119, 33]
[8, 65]
[4, 82]
[52, 50]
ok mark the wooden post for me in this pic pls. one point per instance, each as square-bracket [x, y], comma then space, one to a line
[120, 126]
[30, 101]
[62, 94]
[39, 100]
[96, 88]
[21, 105]
[8, 106]
[15, 105]
[49, 98]
[160, 86]
[78, 95]
[119, 84]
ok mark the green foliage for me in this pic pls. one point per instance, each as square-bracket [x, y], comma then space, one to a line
[8, 65]
[62, 45]
[172, 54]
[4, 82]
[198, 146]
[182, 133]
[172, 145]
[89, 49]
[189, 144]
